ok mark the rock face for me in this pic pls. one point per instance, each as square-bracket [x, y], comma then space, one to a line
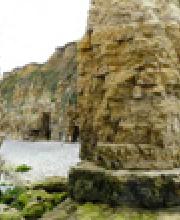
[1, 119]
[129, 84]
[153, 189]
[39, 99]
[129, 107]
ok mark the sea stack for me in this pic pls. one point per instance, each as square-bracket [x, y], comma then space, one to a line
[129, 106]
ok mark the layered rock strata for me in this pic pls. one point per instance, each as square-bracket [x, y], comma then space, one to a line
[129, 90]
[129, 84]
[39, 99]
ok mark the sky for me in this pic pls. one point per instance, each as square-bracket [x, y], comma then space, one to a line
[30, 30]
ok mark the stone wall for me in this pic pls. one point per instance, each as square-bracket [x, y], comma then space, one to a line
[128, 84]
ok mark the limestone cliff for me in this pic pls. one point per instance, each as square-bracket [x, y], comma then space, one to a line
[38, 97]
[129, 106]
[129, 84]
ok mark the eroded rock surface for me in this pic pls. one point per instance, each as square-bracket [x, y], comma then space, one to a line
[38, 100]
[129, 84]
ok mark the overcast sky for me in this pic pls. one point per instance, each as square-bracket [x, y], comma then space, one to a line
[30, 30]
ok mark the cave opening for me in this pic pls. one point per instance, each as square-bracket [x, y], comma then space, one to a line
[75, 134]
[34, 133]
[46, 130]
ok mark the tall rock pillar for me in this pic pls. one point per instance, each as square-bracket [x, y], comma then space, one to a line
[129, 104]
[129, 84]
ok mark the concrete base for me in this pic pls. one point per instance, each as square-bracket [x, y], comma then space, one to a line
[149, 189]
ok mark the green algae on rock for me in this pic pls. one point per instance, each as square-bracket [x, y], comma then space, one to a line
[10, 196]
[31, 204]
[39, 196]
[148, 189]
[23, 168]
[11, 216]
[39, 203]
[69, 210]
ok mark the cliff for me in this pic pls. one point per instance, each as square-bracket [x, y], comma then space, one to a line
[129, 106]
[128, 84]
[37, 96]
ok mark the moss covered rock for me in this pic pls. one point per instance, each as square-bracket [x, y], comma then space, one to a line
[11, 195]
[69, 210]
[39, 196]
[90, 183]
[44, 202]
[31, 203]
[10, 214]
[34, 210]
[23, 168]
[34, 203]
